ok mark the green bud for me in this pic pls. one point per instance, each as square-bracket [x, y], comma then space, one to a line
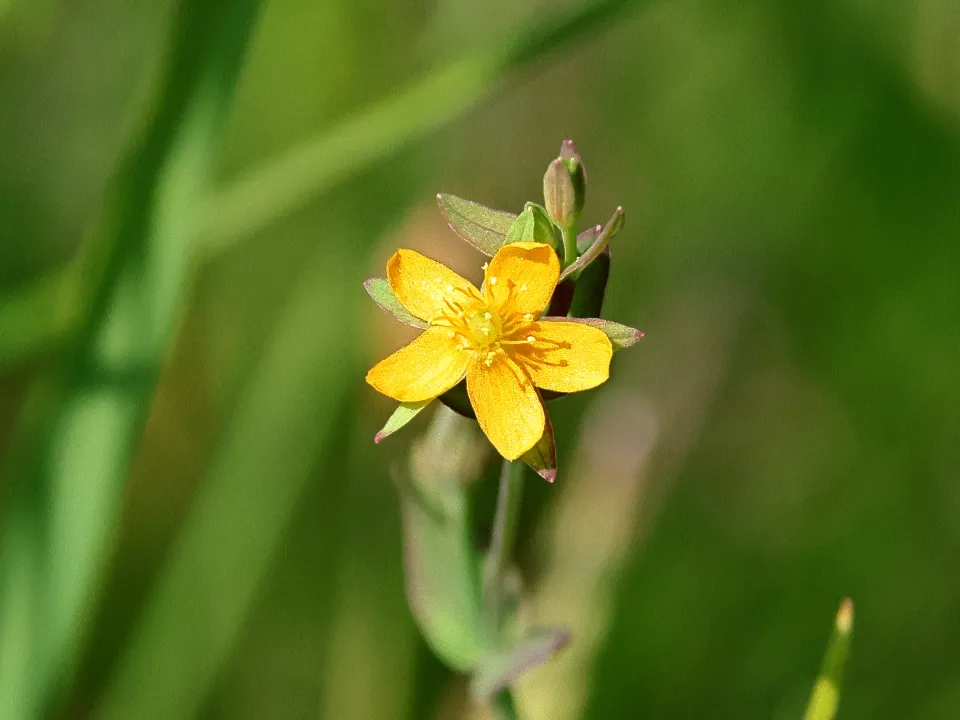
[578, 173]
[533, 225]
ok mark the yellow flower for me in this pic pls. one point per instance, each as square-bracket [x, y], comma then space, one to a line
[494, 337]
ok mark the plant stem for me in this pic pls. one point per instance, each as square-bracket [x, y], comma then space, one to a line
[503, 706]
[569, 246]
[502, 538]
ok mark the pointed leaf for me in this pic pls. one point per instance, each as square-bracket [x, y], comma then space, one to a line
[497, 672]
[542, 457]
[621, 336]
[484, 228]
[379, 289]
[401, 416]
[614, 225]
[587, 238]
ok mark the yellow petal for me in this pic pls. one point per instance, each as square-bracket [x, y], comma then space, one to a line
[521, 278]
[422, 285]
[566, 356]
[507, 405]
[424, 369]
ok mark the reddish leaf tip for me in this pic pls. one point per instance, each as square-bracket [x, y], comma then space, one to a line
[378, 437]
[549, 474]
[640, 334]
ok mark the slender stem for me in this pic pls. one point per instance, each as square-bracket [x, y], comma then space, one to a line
[569, 246]
[503, 706]
[503, 536]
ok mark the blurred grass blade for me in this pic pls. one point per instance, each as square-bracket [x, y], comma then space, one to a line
[69, 468]
[287, 182]
[825, 697]
[236, 522]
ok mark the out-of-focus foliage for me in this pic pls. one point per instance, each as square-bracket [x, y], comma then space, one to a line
[787, 433]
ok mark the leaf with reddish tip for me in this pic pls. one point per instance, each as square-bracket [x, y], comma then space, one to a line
[484, 228]
[621, 336]
[614, 225]
[497, 672]
[401, 416]
[542, 457]
[587, 238]
[379, 289]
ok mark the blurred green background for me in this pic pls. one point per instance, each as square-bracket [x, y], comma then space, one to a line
[194, 520]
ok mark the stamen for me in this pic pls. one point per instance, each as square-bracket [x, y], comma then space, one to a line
[493, 281]
[487, 316]
[530, 339]
[528, 317]
[485, 266]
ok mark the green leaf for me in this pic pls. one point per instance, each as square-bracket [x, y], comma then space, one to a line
[379, 289]
[497, 672]
[621, 336]
[610, 230]
[825, 697]
[440, 563]
[542, 457]
[482, 227]
[401, 416]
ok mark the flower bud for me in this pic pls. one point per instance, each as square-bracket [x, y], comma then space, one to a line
[533, 225]
[564, 187]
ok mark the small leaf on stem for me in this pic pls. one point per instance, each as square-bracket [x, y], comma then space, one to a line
[614, 225]
[484, 228]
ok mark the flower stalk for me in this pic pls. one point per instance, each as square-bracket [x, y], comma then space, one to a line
[502, 538]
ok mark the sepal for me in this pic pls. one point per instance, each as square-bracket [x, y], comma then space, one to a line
[499, 671]
[542, 457]
[382, 294]
[401, 416]
[621, 336]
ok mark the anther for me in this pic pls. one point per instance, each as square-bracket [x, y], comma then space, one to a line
[528, 317]
[529, 338]
[493, 281]
[487, 316]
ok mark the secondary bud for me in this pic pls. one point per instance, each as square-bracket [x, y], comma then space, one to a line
[533, 225]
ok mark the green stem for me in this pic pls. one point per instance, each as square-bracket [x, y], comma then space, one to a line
[569, 246]
[502, 538]
[503, 706]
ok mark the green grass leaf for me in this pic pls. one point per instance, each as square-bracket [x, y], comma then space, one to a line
[70, 463]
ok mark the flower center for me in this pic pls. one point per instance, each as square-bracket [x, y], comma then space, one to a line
[483, 328]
